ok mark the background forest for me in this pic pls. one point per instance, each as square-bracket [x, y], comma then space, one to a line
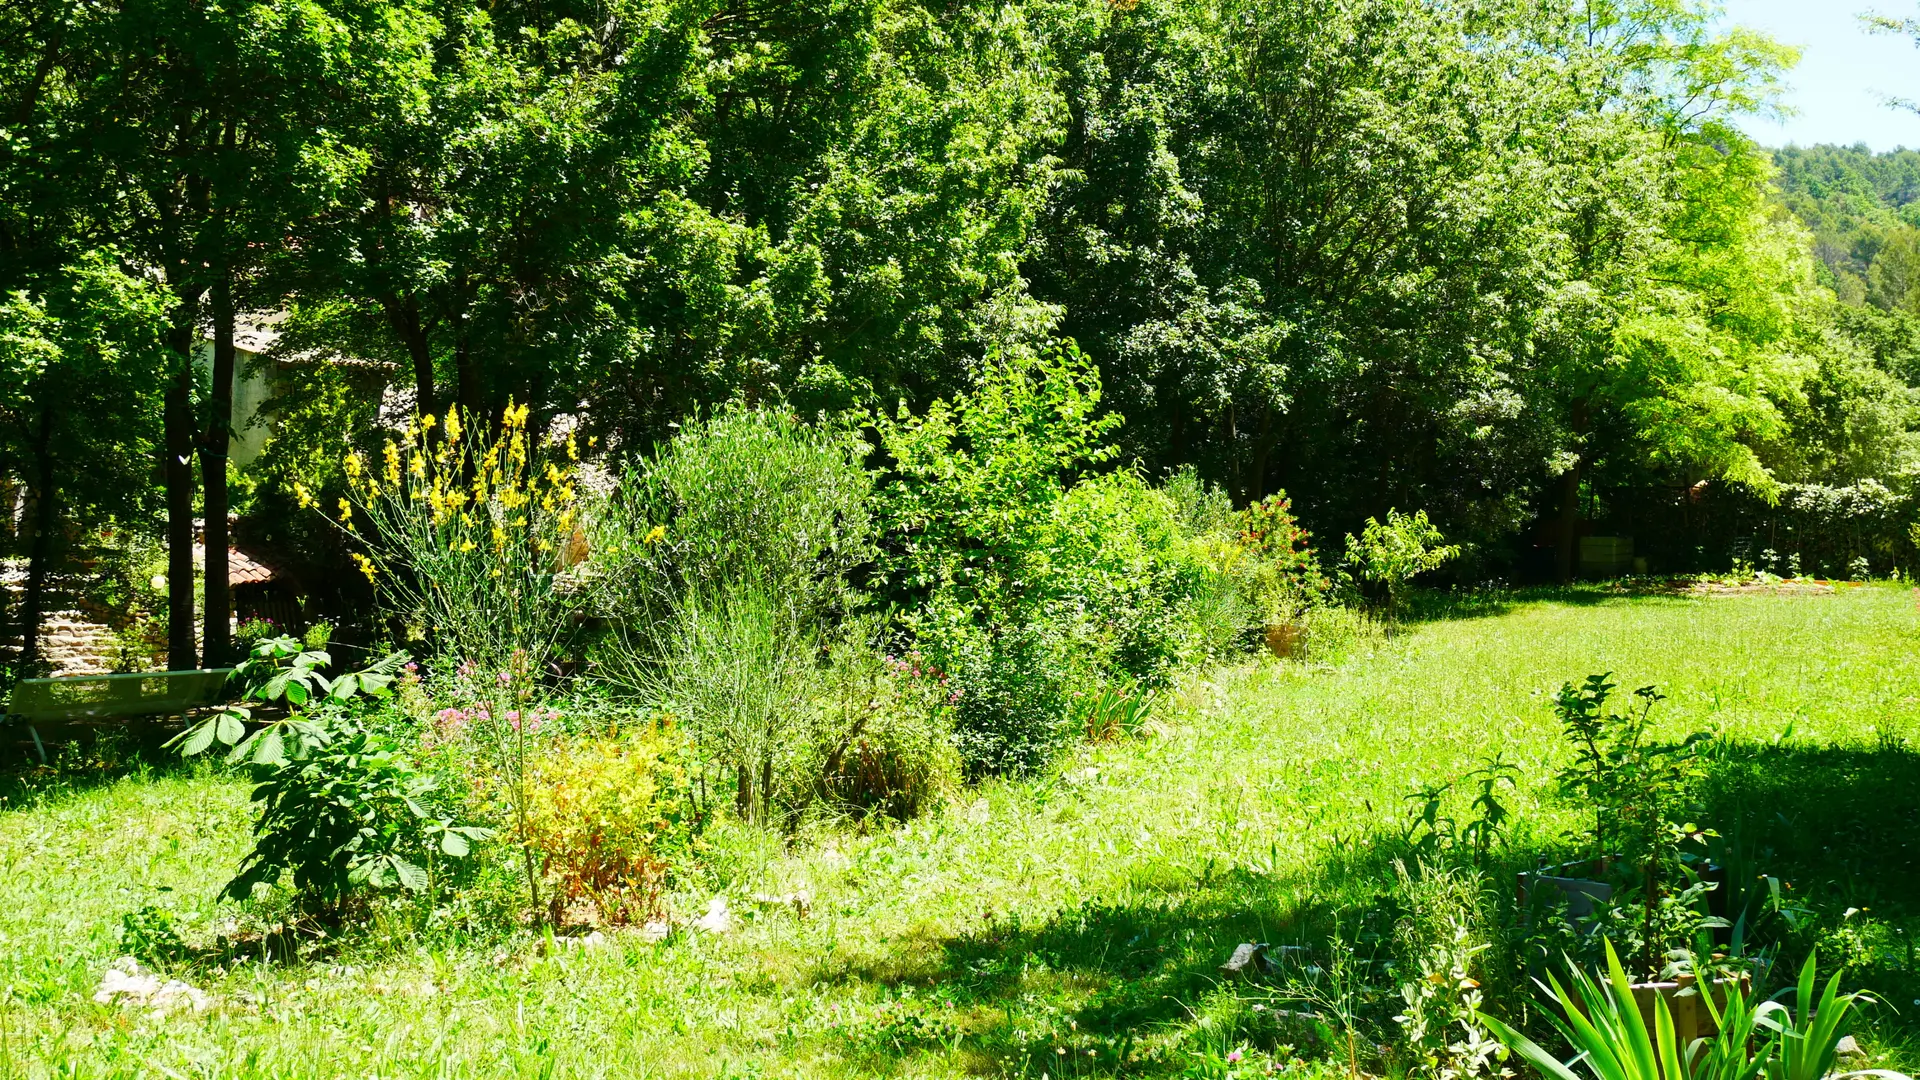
[1509, 262]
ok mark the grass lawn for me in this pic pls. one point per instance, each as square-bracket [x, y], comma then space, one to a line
[1069, 924]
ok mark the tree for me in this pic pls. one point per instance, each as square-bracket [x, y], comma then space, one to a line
[82, 363]
[204, 132]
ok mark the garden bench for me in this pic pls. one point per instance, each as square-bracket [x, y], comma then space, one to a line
[98, 697]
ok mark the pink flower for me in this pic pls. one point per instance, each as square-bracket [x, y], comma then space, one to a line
[1233, 1057]
[467, 669]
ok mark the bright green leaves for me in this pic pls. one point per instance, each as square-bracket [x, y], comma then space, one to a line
[979, 476]
[352, 813]
[1601, 1020]
[280, 672]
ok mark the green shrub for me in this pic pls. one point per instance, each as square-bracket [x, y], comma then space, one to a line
[1010, 682]
[1036, 586]
[1120, 554]
[879, 739]
[749, 498]
[1388, 555]
[611, 819]
[352, 812]
[970, 516]
[734, 671]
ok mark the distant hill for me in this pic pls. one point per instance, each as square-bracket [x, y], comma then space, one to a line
[1863, 209]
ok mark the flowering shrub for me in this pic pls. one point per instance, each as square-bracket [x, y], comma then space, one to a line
[609, 818]
[470, 537]
[1279, 573]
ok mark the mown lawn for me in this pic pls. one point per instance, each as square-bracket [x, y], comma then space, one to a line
[1069, 924]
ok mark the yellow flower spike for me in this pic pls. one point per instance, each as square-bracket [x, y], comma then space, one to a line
[426, 422]
[573, 448]
[346, 511]
[453, 424]
[393, 464]
[365, 564]
[304, 497]
[466, 545]
[656, 534]
[352, 464]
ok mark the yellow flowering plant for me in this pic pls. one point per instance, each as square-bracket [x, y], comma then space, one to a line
[469, 534]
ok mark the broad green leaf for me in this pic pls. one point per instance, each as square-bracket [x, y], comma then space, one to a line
[196, 739]
[271, 748]
[412, 877]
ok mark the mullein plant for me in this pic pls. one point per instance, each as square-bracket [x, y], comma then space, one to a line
[471, 537]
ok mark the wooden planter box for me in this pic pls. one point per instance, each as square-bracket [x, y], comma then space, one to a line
[1580, 883]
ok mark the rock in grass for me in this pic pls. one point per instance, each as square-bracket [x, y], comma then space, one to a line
[125, 983]
[1249, 960]
[1848, 1048]
[717, 920]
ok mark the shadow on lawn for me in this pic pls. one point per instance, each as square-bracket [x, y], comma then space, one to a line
[79, 758]
[1841, 824]
[1434, 605]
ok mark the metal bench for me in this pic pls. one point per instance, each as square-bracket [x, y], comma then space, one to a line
[98, 697]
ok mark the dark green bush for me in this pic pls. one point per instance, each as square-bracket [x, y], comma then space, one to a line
[1029, 579]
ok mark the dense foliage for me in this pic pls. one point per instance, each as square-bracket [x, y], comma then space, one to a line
[1508, 262]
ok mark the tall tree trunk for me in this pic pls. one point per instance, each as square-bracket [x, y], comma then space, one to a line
[404, 316]
[1569, 531]
[467, 378]
[215, 442]
[40, 552]
[177, 469]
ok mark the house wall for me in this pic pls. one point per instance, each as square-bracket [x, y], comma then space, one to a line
[252, 387]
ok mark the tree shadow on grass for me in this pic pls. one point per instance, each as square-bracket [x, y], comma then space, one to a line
[1083, 991]
[1435, 605]
[1841, 824]
[1086, 990]
[76, 758]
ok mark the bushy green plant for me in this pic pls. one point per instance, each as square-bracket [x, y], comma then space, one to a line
[285, 673]
[734, 672]
[1388, 555]
[1641, 795]
[1031, 580]
[610, 819]
[723, 563]
[1278, 570]
[150, 936]
[1119, 554]
[750, 497]
[350, 812]
[1602, 1022]
[879, 739]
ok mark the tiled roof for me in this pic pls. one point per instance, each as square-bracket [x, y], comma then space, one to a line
[242, 569]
